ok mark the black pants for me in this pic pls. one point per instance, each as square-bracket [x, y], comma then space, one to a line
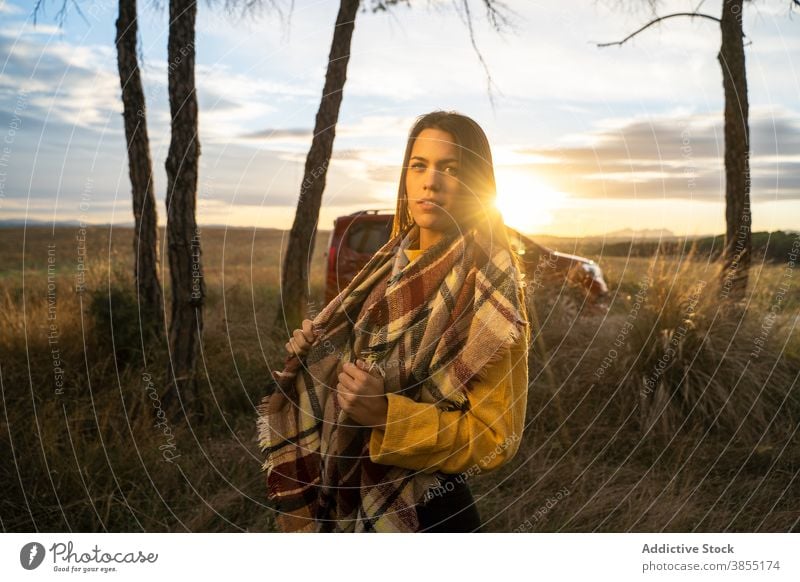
[450, 508]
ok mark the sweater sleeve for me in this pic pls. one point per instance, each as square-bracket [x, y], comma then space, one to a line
[422, 437]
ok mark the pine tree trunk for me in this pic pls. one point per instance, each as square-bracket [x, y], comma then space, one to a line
[296, 265]
[183, 236]
[140, 170]
[737, 251]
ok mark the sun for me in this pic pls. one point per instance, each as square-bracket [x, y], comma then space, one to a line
[526, 203]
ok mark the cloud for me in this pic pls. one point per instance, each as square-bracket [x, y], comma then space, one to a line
[69, 134]
[366, 127]
[64, 82]
[290, 134]
[673, 157]
[228, 101]
[8, 8]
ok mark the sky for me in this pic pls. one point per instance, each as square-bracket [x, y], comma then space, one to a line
[586, 140]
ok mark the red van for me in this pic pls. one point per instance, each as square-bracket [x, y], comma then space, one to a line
[356, 237]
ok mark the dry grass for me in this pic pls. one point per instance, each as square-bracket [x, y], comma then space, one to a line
[712, 447]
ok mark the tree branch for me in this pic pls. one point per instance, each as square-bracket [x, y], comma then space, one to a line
[656, 21]
[61, 15]
[468, 22]
[497, 14]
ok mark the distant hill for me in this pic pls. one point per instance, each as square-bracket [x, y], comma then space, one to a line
[767, 246]
[644, 233]
[21, 222]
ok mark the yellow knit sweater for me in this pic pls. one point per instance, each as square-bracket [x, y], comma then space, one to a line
[421, 437]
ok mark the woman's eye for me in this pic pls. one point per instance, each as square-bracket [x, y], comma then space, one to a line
[417, 166]
[452, 170]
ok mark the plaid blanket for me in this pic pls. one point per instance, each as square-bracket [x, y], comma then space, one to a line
[452, 310]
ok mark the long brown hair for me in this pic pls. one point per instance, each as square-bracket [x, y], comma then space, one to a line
[476, 173]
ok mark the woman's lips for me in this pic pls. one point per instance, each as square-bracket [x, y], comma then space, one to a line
[428, 206]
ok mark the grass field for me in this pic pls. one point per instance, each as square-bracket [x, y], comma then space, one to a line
[662, 415]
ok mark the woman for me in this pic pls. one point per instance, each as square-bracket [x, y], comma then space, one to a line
[415, 376]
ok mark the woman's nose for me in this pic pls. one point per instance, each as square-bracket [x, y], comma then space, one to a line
[432, 180]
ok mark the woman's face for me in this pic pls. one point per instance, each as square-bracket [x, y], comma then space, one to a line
[433, 185]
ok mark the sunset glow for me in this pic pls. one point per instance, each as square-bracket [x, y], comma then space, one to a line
[586, 142]
[526, 202]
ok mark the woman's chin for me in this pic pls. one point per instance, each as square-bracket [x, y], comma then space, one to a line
[437, 231]
[435, 223]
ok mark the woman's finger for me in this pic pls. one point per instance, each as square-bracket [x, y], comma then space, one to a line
[341, 395]
[354, 371]
[371, 369]
[300, 338]
[293, 348]
[308, 330]
[345, 381]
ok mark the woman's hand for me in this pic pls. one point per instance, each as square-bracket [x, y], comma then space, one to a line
[361, 394]
[301, 340]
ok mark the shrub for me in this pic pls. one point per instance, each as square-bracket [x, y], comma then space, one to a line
[117, 325]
